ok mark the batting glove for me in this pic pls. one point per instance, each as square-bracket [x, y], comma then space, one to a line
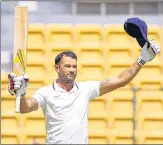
[148, 53]
[17, 83]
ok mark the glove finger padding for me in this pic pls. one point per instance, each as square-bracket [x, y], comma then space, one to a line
[154, 47]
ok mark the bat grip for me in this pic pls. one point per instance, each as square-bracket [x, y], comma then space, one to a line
[17, 109]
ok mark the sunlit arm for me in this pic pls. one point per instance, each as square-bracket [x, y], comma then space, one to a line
[123, 79]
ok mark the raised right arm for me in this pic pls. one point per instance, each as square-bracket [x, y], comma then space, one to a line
[28, 105]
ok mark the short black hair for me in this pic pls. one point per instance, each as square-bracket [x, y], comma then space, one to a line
[66, 53]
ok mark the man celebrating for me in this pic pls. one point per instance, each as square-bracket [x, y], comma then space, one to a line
[65, 102]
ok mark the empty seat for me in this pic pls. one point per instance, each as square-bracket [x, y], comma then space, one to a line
[10, 130]
[60, 34]
[10, 138]
[149, 137]
[120, 122]
[33, 120]
[4, 80]
[121, 99]
[149, 101]
[114, 69]
[97, 123]
[148, 81]
[36, 35]
[90, 53]
[114, 33]
[34, 139]
[121, 137]
[8, 102]
[86, 70]
[150, 122]
[98, 136]
[36, 57]
[97, 107]
[89, 34]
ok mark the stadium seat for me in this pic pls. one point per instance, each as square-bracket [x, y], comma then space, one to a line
[148, 81]
[90, 53]
[10, 131]
[33, 120]
[36, 35]
[149, 101]
[98, 136]
[4, 80]
[89, 34]
[97, 122]
[36, 74]
[121, 99]
[149, 137]
[60, 34]
[8, 102]
[97, 107]
[91, 71]
[120, 122]
[116, 37]
[36, 57]
[150, 122]
[121, 137]
[114, 69]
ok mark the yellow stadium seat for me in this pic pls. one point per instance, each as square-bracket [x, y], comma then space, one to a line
[153, 77]
[116, 37]
[114, 69]
[120, 102]
[97, 122]
[10, 130]
[161, 46]
[10, 138]
[89, 34]
[120, 122]
[90, 53]
[36, 35]
[97, 107]
[121, 137]
[154, 33]
[60, 34]
[34, 139]
[33, 120]
[150, 122]
[147, 137]
[149, 101]
[8, 102]
[91, 71]
[98, 136]
[4, 80]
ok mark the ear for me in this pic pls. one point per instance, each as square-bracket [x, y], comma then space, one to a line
[57, 68]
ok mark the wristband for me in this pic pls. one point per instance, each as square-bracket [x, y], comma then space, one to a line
[141, 61]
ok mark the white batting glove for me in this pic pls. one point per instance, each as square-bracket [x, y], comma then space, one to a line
[17, 83]
[148, 53]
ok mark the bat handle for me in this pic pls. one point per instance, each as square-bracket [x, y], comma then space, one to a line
[17, 109]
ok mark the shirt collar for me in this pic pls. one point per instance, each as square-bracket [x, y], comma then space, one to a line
[56, 87]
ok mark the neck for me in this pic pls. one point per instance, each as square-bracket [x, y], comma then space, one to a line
[64, 85]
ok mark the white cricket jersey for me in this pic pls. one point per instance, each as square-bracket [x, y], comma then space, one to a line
[66, 113]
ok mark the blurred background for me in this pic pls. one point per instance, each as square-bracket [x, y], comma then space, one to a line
[93, 29]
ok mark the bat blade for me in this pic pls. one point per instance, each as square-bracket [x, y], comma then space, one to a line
[20, 45]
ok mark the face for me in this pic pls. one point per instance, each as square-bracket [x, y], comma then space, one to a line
[67, 69]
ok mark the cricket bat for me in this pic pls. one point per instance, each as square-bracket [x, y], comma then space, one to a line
[20, 45]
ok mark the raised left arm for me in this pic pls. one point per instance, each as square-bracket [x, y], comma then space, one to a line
[123, 79]
[147, 54]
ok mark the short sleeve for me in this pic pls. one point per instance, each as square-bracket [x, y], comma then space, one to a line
[94, 89]
[39, 98]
